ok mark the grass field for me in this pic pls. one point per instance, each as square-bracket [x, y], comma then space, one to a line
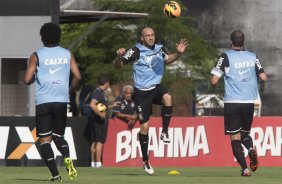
[87, 175]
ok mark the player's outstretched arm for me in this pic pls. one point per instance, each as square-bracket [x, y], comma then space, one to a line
[180, 47]
[120, 52]
[115, 104]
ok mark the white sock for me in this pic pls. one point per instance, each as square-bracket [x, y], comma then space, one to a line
[98, 164]
[93, 164]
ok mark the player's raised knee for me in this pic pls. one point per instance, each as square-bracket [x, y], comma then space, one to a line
[167, 99]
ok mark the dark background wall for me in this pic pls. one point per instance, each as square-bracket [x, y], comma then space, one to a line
[261, 21]
[30, 8]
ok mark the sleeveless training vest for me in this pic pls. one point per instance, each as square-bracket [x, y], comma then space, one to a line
[53, 73]
[240, 79]
[148, 69]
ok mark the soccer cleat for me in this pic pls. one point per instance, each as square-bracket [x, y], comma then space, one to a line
[148, 168]
[70, 168]
[164, 137]
[253, 160]
[56, 179]
[245, 172]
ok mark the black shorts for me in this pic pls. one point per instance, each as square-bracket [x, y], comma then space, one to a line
[144, 99]
[99, 129]
[238, 117]
[51, 119]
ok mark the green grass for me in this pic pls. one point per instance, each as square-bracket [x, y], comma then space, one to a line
[87, 175]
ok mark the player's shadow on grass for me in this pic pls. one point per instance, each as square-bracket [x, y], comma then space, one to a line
[27, 179]
[123, 174]
[34, 180]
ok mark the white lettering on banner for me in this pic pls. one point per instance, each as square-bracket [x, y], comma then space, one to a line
[26, 137]
[266, 140]
[4, 134]
[186, 145]
[135, 146]
[189, 144]
[124, 148]
[69, 139]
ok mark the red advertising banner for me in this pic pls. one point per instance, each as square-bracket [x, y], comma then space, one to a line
[194, 142]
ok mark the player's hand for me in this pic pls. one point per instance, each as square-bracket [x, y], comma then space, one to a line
[181, 46]
[102, 115]
[116, 104]
[132, 117]
[121, 51]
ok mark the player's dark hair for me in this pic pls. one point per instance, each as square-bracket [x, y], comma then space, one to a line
[50, 34]
[103, 79]
[237, 37]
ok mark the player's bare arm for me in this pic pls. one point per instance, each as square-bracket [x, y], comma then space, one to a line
[30, 72]
[262, 80]
[115, 104]
[214, 80]
[95, 108]
[76, 74]
[263, 77]
[180, 47]
[120, 52]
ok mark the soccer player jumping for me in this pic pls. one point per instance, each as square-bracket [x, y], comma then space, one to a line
[148, 60]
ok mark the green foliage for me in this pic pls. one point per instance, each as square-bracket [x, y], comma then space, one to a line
[96, 53]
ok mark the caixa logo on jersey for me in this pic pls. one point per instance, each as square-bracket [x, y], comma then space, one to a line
[184, 143]
[20, 141]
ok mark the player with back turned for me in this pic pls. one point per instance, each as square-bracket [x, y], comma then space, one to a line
[50, 67]
[241, 70]
[148, 60]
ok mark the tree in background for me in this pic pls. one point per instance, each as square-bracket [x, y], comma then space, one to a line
[96, 53]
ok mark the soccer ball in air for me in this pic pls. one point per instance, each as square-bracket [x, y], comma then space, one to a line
[101, 107]
[172, 9]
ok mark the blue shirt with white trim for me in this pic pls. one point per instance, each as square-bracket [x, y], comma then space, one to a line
[240, 70]
[148, 65]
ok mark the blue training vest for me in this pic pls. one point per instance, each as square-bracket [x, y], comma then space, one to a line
[148, 69]
[53, 73]
[240, 79]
